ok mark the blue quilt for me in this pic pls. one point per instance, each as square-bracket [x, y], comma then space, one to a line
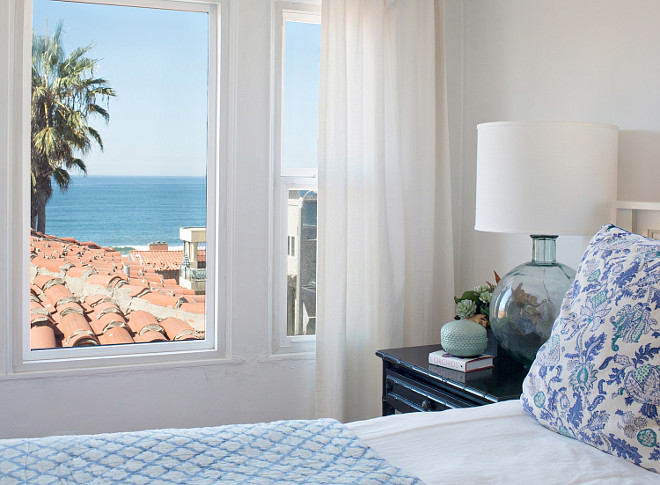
[319, 451]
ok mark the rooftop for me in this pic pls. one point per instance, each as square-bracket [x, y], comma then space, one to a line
[84, 294]
[162, 260]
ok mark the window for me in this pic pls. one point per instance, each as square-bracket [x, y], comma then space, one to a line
[297, 71]
[124, 262]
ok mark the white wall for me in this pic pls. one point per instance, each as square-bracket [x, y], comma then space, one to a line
[252, 387]
[592, 60]
[558, 60]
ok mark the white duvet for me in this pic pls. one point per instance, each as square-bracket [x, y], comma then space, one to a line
[498, 443]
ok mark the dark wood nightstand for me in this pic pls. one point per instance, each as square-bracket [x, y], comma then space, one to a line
[411, 384]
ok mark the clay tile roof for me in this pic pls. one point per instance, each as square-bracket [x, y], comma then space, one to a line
[40, 318]
[103, 307]
[165, 260]
[44, 281]
[80, 272]
[106, 322]
[102, 267]
[42, 337]
[192, 308]
[164, 300]
[116, 335]
[99, 319]
[153, 277]
[151, 336]
[135, 290]
[76, 331]
[107, 281]
[52, 265]
[37, 307]
[90, 244]
[59, 295]
[70, 307]
[177, 329]
[139, 319]
[93, 300]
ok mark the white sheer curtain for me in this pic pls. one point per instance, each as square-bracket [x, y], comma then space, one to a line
[385, 267]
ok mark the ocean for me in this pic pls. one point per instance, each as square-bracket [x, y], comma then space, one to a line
[121, 212]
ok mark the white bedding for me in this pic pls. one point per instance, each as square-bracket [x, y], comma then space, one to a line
[498, 443]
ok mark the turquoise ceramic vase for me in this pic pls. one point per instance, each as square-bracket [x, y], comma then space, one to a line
[463, 338]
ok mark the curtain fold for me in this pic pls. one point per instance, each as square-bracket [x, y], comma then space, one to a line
[385, 256]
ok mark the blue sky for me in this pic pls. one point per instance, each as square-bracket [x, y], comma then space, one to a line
[156, 61]
[301, 82]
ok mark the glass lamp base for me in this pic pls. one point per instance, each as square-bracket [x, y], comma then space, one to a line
[527, 300]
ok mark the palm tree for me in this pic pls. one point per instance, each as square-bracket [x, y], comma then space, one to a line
[65, 96]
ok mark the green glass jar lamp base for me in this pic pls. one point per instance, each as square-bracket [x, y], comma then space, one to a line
[527, 300]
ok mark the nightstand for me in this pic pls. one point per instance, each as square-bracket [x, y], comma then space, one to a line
[411, 384]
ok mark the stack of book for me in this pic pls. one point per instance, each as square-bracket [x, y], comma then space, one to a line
[463, 364]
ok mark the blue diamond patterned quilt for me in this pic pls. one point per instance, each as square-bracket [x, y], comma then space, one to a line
[318, 451]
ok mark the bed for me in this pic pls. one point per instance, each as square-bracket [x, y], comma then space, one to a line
[589, 412]
[497, 443]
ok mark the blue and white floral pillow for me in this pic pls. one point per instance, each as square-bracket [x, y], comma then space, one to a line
[597, 378]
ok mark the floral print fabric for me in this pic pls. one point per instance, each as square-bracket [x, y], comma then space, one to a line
[597, 378]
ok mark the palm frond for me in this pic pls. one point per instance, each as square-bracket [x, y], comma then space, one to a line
[65, 96]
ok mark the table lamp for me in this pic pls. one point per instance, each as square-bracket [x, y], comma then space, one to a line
[542, 179]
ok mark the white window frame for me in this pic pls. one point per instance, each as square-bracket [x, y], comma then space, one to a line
[20, 359]
[285, 179]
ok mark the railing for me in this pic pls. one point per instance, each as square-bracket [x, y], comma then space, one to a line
[192, 274]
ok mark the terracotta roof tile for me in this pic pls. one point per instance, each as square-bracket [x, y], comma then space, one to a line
[99, 319]
[152, 277]
[80, 272]
[42, 337]
[106, 322]
[89, 244]
[165, 260]
[93, 300]
[139, 319]
[44, 281]
[76, 331]
[107, 281]
[151, 336]
[135, 290]
[177, 329]
[40, 318]
[103, 307]
[163, 300]
[59, 295]
[37, 307]
[70, 307]
[35, 290]
[52, 265]
[192, 307]
[116, 335]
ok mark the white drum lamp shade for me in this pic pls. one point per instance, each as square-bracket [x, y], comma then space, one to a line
[545, 177]
[542, 179]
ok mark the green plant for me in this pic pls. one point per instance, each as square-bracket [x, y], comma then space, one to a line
[475, 301]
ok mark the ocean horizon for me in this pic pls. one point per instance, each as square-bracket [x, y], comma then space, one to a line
[127, 211]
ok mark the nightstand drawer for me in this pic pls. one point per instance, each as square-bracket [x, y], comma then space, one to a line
[407, 395]
[410, 383]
